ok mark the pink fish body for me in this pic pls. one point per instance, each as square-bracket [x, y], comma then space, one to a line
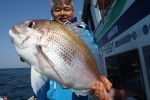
[55, 52]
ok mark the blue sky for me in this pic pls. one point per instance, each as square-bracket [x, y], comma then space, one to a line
[16, 11]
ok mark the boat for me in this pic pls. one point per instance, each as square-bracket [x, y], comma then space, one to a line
[122, 29]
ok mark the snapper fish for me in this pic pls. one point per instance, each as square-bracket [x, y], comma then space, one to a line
[55, 52]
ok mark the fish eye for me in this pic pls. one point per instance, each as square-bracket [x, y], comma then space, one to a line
[31, 24]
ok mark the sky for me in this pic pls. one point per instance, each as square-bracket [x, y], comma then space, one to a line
[13, 12]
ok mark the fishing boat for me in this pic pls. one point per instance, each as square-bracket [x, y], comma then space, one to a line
[122, 30]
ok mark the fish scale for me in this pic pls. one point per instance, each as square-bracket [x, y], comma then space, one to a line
[85, 72]
[88, 39]
[68, 57]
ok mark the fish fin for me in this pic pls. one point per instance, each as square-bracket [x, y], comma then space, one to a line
[81, 93]
[45, 61]
[37, 80]
[120, 94]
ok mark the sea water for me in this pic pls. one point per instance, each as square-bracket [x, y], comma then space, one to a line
[16, 83]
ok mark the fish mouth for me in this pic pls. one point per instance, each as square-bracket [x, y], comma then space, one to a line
[12, 37]
[14, 30]
[12, 33]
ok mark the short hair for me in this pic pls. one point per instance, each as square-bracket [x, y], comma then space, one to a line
[53, 2]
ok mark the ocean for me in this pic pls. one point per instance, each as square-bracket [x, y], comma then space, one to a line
[16, 83]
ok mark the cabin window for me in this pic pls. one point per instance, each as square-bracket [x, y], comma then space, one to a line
[103, 6]
[146, 53]
[90, 21]
[124, 71]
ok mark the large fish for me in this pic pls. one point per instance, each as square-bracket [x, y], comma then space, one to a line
[55, 52]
